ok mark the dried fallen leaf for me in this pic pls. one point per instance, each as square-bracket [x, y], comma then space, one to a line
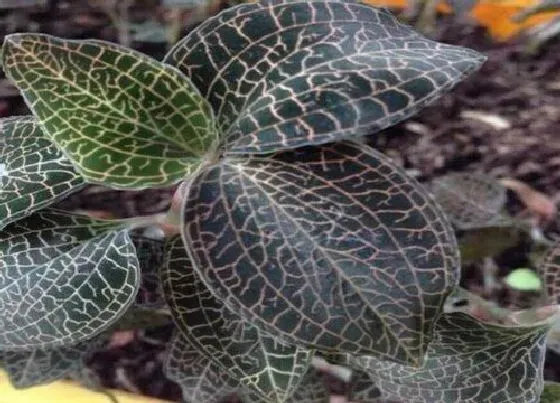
[536, 202]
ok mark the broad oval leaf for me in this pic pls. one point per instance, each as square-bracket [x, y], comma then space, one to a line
[123, 119]
[468, 361]
[33, 171]
[470, 200]
[63, 279]
[31, 368]
[332, 247]
[255, 358]
[200, 378]
[549, 270]
[281, 73]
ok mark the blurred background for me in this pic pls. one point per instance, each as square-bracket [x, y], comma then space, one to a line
[504, 121]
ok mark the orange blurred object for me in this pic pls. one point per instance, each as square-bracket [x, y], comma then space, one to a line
[496, 15]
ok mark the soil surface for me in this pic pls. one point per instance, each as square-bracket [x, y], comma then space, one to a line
[503, 121]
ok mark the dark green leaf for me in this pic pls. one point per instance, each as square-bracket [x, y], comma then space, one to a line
[201, 380]
[551, 393]
[30, 368]
[119, 203]
[281, 73]
[63, 279]
[363, 389]
[549, 270]
[332, 247]
[311, 390]
[469, 361]
[123, 119]
[33, 171]
[470, 200]
[251, 356]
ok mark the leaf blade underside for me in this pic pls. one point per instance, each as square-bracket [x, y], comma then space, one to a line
[63, 279]
[331, 247]
[34, 172]
[272, 369]
[281, 74]
[123, 119]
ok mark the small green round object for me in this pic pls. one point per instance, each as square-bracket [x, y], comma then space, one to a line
[524, 279]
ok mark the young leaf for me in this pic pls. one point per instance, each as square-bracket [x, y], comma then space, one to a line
[265, 365]
[524, 279]
[332, 247]
[468, 361]
[311, 390]
[470, 200]
[200, 378]
[281, 73]
[31, 368]
[123, 119]
[63, 279]
[33, 172]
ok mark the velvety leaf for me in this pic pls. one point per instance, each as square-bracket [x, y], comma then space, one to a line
[31, 368]
[311, 390]
[251, 356]
[200, 378]
[470, 200]
[551, 393]
[150, 253]
[63, 279]
[549, 271]
[124, 119]
[468, 361]
[33, 171]
[363, 389]
[281, 73]
[332, 247]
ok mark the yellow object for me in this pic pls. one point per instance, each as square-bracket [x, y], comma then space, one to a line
[64, 392]
[496, 15]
